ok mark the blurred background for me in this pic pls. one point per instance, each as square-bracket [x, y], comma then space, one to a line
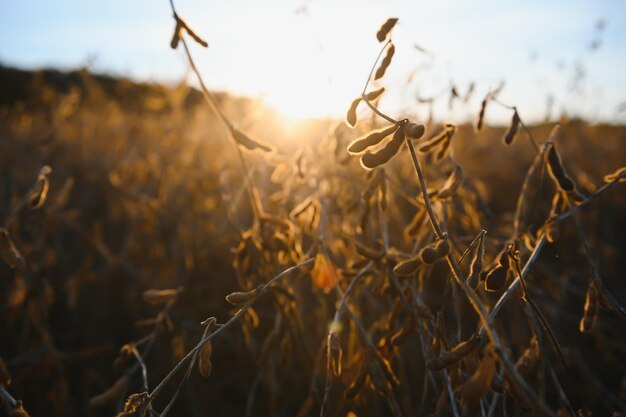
[310, 58]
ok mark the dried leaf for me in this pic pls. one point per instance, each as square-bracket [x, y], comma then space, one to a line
[325, 274]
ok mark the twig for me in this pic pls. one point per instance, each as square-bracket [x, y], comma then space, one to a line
[217, 109]
[169, 405]
[155, 392]
[455, 408]
[551, 335]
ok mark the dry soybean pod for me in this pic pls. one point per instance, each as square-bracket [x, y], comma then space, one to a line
[239, 298]
[408, 267]
[385, 28]
[373, 138]
[557, 171]
[373, 95]
[351, 118]
[512, 132]
[431, 143]
[380, 72]
[457, 353]
[372, 160]
[481, 115]
[452, 184]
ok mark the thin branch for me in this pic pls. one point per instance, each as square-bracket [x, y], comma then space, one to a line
[538, 246]
[369, 77]
[155, 392]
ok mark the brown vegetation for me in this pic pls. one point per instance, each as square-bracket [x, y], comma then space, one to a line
[142, 234]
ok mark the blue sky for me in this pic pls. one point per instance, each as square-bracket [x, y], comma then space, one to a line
[313, 63]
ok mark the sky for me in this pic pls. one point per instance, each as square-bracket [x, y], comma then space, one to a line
[310, 58]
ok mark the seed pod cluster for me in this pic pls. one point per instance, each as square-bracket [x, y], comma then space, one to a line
[372, 138]
[457, 353]
[380, 72]
[441, 141]
[371, 160]
[9, 252]
[512, 132]
[385, 28]
[428, 255]
[247, 142]
[452, 184]
[556, 169]
[591, 309]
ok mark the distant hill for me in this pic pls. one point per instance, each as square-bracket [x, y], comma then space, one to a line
[20, 85]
